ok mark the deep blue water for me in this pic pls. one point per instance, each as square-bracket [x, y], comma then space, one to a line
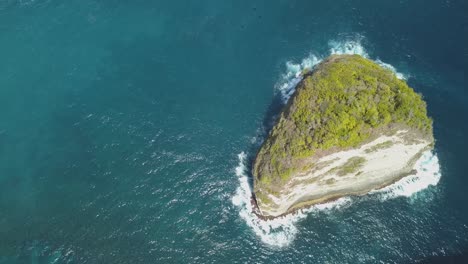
[121, 123]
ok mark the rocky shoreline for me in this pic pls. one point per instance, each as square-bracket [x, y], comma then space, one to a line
[256, 210]
[349, 128]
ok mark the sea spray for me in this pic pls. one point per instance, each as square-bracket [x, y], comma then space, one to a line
[266, 230]
[281, 231]
[399, 75]
[347, 47]
[428, 173]
[289, 80]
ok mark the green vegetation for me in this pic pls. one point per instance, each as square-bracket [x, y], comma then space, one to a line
[379, 146]
[338, 105]
[330, 181]
[263, 198]
[352, 165]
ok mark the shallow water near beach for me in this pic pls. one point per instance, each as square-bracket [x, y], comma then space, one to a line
[127, 130]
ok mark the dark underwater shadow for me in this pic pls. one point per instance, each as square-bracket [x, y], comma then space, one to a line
[271, 115]
[269, 120]
[455, 259]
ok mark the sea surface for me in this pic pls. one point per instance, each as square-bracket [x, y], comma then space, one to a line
[127, 130]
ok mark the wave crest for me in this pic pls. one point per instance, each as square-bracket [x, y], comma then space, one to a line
[280, 231]
[293, 75]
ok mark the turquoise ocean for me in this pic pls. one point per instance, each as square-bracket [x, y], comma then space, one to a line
[128, 128]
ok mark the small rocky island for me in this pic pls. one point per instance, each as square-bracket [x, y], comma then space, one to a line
[350, 127]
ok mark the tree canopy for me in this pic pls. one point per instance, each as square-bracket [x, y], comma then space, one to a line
[338, 104]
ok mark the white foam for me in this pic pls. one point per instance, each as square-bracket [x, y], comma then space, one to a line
[282, 231]
[293, 75]
[266, 230]
[428, 173]
[277, 232]
[355, 47]
[347, 47]
[399, 75]
[287, 85]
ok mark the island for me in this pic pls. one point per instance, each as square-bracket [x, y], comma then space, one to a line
[350, 127]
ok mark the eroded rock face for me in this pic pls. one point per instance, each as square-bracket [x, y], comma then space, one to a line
[350, 127]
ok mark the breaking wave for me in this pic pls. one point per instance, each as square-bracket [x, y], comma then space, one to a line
[428, 173]
[293, 75]
[281, 231]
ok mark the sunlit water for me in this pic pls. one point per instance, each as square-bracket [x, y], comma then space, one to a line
[128, 128]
